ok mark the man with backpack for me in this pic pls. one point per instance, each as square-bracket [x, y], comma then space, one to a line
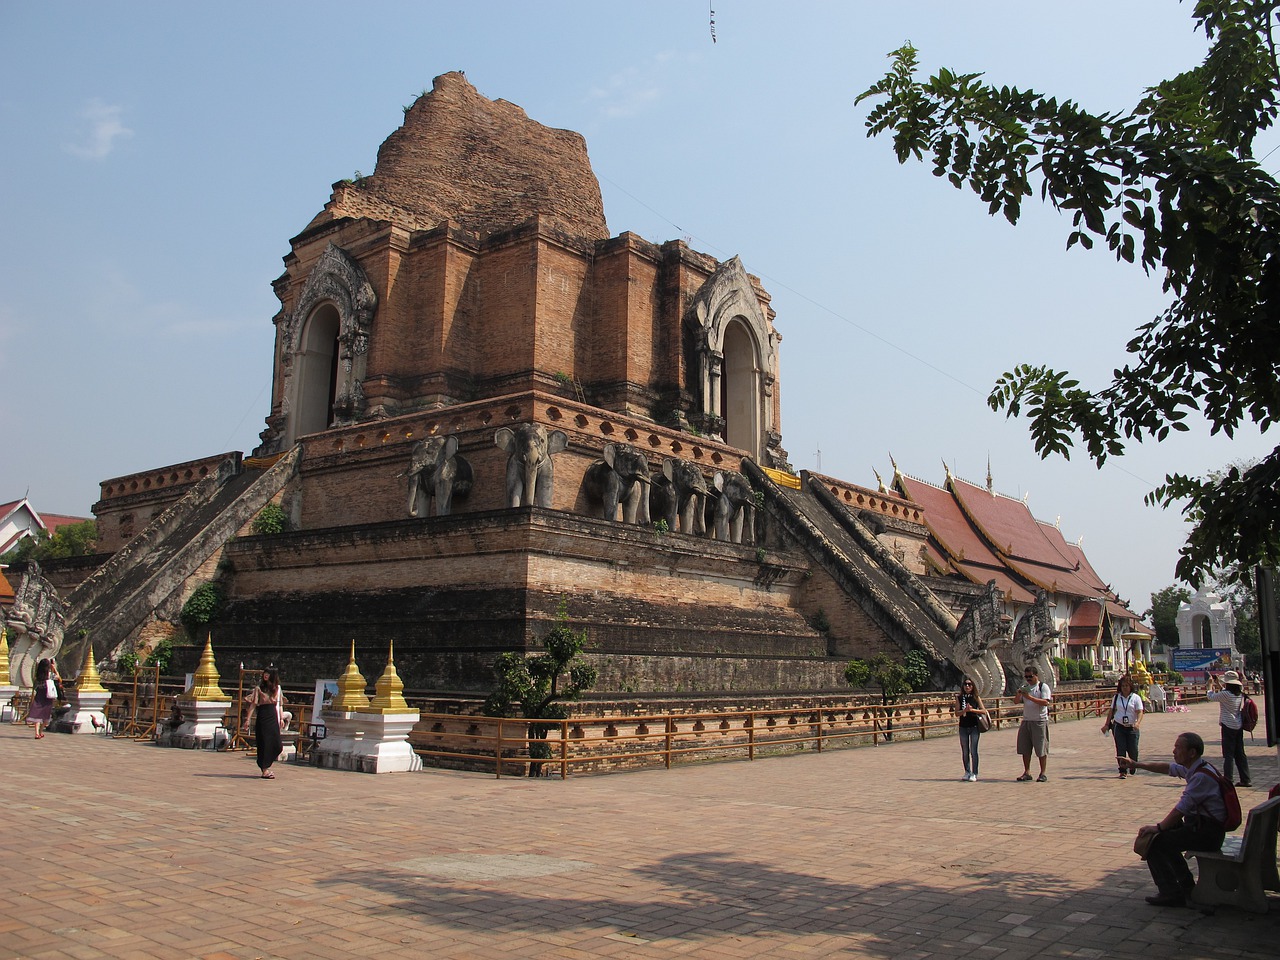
[1198, 821]
[1230, 698]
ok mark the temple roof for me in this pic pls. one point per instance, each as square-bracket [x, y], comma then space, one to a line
[480, 163]
[963, 545]
[1008, 526]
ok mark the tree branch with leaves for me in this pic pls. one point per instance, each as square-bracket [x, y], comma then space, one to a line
[1171, 186]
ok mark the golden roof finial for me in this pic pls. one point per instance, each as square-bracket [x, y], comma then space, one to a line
[351, 687]
[204, 682]
[89, 681]
[387, 698]
[4, 658]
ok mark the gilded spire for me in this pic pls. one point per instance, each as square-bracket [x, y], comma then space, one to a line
[387, 698]
[4, 658]
[351, 687]
[204, 683]
[89, 681]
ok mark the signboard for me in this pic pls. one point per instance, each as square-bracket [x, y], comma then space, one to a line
[1194, 663]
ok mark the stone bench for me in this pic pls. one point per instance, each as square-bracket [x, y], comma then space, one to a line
[1245, 868]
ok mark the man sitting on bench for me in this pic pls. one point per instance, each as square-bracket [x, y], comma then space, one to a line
[1194, 823]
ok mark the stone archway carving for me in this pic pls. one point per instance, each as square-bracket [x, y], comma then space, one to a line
[728, 301]
[336, 280]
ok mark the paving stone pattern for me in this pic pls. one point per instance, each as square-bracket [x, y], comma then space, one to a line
[121, 850]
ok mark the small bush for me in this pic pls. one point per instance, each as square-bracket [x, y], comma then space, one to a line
[270, 519]
[201, 607]
[1084, 669]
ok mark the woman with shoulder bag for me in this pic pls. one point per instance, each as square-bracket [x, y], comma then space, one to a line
[43, 695]
[267, 719]
[1123, 720]
[974, 718]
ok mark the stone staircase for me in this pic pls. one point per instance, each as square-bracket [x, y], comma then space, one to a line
[123, 593]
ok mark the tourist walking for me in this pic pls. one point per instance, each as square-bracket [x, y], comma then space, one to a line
[1033, 734]
[266, 716]
[1229, 695]
[1196, 821]
[44, 693]
[972, 713]
[1123, 720]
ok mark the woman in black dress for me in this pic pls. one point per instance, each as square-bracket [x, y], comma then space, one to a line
[267, 718]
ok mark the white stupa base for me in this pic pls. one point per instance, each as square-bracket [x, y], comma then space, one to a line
[201, 724]
[342, 732]
[7, 692]
[88, 713]
[384, 748]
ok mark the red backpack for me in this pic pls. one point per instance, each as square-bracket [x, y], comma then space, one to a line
[1230, 799]
[1248, 714]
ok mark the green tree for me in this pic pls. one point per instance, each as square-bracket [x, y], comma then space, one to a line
[531, 687]
[1164, 613]
[1172, 186]
[884, 672]
[69, 540]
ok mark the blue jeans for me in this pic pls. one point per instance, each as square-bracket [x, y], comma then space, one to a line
[969, 748]
[1233, 754]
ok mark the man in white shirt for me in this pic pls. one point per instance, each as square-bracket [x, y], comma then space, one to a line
[1033, 734]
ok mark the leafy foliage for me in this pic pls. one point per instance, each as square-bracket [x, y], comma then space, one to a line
[161, 655]
[531, 686]
[270, 519]
[203, 606]
[1171, 186]
[917, 667]
[1164, 612]
[69, 540]
[881, 671]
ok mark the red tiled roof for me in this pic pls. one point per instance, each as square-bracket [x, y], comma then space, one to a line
[969, 555]
[1021, 541]
[6, 590]
[55, 520]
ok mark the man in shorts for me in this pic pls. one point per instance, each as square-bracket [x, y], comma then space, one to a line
[1033, 735]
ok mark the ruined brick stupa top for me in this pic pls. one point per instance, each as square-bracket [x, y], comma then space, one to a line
[481, 163]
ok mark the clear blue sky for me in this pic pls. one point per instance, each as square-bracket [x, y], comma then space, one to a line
[155, 159]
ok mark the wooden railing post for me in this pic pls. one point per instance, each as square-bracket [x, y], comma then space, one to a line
[819, 730]
[751, 735]
[564, 749]
[670, 730]
[497, 752]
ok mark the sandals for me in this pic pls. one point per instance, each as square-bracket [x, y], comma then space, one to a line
[268, 775]
[39, 736]
[1025, 778]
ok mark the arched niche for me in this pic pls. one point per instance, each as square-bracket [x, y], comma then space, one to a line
[324, 346]
[737, 361]
[316, 370]
[740, 382]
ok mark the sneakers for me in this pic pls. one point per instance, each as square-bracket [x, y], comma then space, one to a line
[965, 778]
[973, 778]
[1025, 778]
[1121, 775]
[1041, 779]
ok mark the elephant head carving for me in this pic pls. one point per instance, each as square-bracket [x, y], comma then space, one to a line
[734, 511]
[529, 448]
[436, 469]
[683, 496]
[621, 478]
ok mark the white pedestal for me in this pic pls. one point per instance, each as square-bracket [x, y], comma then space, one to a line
[200, 721]
[384, 748]
[342, 732]
[7, 693]
[88, 712]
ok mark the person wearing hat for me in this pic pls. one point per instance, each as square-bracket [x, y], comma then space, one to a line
[1229, 695]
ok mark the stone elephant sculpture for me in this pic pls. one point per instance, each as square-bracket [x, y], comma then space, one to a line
[734, 511]
[682, 496]
[436, 470]
[621, 478]
[529, 448]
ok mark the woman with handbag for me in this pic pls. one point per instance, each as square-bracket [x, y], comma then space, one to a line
[266, 716]
[1123, 720]
[974, 719]
[43, 695]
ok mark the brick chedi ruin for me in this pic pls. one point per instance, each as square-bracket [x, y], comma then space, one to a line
[483, 403]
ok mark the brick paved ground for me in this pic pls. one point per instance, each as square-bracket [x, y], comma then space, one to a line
[121, 850]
